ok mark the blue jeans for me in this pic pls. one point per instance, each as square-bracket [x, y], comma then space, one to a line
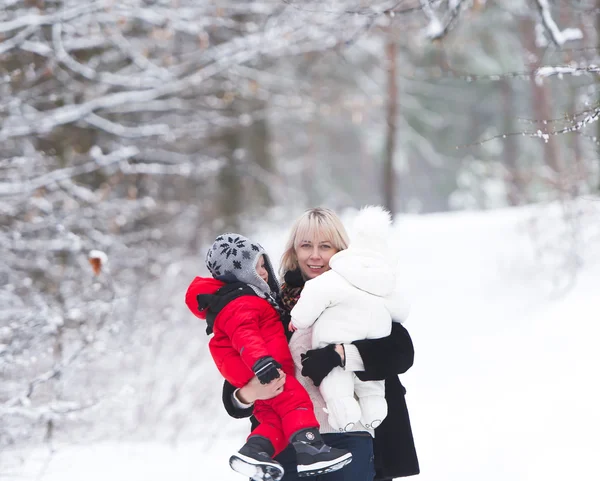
[362, 467]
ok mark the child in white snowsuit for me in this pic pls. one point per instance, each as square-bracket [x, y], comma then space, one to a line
[354, 300]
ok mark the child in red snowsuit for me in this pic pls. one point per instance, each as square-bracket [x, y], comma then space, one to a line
[240, 306]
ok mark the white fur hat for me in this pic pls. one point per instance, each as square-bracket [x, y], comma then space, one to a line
[371, 229]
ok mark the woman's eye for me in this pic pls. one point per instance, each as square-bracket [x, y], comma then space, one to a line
[326, 246]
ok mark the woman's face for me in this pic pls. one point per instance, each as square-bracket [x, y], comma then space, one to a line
[313, 257]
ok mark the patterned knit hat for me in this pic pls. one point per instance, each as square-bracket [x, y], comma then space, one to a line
[233, 257]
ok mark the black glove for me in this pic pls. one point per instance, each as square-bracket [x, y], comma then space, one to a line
[317, 363]
[266, 369]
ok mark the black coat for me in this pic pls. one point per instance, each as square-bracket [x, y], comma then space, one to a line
[384, 359]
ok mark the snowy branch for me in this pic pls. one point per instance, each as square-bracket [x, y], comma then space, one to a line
[549, 71]
[17, 40]
[126, 131]
[55, 410]
[100, 161]
[90, 73]
[437, 28]
[62, 16]
[558, 36]
[188, 169]
[574, 126]
[23, 398]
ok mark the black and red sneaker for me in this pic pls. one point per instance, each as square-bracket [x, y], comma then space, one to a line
[255, 460]
[314, 456]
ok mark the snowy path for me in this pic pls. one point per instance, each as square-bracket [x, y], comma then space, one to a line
[505, 381]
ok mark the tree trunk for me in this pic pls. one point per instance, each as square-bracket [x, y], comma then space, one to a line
[540, 96]
[310, 172]
[230, 186]
[598, 123]
[389, 178]
[514, 185]
[257, 139]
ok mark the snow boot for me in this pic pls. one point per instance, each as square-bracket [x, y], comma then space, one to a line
[255, 460]
[314, 456]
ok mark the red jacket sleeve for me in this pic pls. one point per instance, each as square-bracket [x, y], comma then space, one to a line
[241, 324]
[190, 298]
[200, 285]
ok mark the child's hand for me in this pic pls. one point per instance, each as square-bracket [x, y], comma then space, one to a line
[266, 369]
[291, 327]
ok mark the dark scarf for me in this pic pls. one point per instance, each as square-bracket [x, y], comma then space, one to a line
[214, 303]
[291, 289]
[289, 295]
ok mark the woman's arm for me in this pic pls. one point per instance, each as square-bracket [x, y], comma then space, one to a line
[387, 356]
[232, 408]
[369, 359]
[234, 399]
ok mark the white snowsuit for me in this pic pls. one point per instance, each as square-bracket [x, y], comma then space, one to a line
[354, 300]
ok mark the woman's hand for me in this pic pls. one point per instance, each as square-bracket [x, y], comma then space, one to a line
[291, 327]
[255, 391]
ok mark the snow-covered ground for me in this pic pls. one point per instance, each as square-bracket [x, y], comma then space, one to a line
[505, 382]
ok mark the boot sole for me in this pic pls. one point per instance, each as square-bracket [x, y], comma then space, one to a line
[256, 470]
[324, 466]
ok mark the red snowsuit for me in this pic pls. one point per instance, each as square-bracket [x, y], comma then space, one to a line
[245, 330]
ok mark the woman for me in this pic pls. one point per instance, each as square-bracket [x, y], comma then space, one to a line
[315, 237]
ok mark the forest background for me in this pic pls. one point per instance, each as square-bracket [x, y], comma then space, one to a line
[141, 129]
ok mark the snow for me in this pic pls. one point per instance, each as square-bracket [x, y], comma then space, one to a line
[131, 462]
[504, 385]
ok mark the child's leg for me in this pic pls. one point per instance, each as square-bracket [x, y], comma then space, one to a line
[338, 391]
[254, 460]
[270, 426]
[293, 408]
[371, 397]
[301, 428]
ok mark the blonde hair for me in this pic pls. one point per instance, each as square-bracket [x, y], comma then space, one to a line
[313, 224]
